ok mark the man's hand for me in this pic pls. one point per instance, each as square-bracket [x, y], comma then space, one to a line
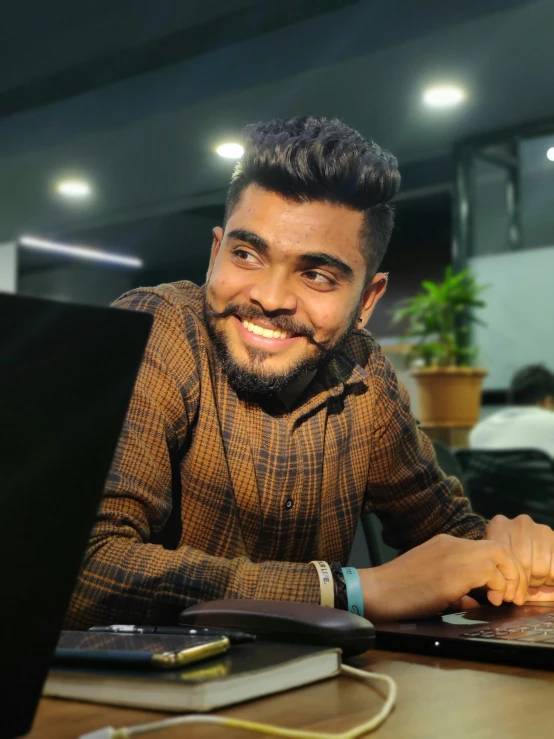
[533, 545]
[438, 574]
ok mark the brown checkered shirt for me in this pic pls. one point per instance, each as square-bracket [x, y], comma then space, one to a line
[210, 496]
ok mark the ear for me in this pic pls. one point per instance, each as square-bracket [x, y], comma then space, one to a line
[216, 245]
[373, 292]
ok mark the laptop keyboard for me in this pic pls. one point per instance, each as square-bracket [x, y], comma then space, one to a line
[524, 630]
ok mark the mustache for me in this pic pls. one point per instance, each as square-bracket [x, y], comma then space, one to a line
[283, 323]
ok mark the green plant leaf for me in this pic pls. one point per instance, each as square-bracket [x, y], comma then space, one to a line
[439, 317]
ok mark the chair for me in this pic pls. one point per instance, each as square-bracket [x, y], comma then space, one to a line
[447, 461]
[378, 552]
[510, 482]
[369, 549]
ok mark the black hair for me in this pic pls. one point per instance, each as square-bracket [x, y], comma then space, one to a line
[306, 158]
[530, 385]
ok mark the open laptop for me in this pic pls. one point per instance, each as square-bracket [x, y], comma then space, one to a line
[66, 376]
[513, 635]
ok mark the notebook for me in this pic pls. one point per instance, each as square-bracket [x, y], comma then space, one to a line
[66, 375]
[508, 634]
[246, 672]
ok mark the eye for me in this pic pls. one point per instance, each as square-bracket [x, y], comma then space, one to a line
[318, 279]
[244, 256]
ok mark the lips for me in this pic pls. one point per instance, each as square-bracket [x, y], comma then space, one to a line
[265, 337]
[267, 333]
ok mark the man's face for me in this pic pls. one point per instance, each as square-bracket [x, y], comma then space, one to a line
[286, 284]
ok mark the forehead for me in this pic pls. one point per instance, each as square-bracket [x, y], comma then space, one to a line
[286, 224]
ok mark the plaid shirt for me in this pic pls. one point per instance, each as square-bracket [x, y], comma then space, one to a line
[210, 496]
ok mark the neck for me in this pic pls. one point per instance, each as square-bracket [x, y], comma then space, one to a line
[290, 394]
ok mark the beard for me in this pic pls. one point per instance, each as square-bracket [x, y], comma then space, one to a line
[253, 379]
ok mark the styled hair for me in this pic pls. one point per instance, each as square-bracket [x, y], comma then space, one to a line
[321, 159]
[530, 385]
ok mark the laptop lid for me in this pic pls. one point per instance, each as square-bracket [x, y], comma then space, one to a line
[66, 377]
[508, 634]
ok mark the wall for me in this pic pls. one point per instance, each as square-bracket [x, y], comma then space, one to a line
[8, 268]
[519, 312]
[537, 188]
[77, 284]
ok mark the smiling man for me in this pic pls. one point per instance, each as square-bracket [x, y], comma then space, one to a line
[265, 421]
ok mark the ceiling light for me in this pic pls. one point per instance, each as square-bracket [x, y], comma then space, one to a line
[80, 252]
[230, 151]
[73, 188]
[443, 96]
[550, 154]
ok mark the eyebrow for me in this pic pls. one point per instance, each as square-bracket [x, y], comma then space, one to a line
[310, 259]
[240, 234]
[318, 259]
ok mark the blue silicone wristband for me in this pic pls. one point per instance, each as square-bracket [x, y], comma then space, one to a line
[353, 590]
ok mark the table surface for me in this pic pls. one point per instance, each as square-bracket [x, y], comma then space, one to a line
[437, 697]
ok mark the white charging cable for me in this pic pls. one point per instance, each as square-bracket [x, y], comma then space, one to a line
[109, 732]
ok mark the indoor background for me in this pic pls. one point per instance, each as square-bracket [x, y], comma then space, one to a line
[111, 113]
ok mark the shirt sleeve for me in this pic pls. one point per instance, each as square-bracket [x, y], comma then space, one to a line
[406, 489]
[126, 577]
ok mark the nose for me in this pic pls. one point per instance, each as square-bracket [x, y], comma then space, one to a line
[273, 294]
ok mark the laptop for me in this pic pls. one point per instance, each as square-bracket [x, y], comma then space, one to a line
[508, 634]
[66, 377]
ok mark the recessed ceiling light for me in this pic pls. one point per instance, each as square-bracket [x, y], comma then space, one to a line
[443, 96]
[230, 151]
[73, 188]
[550, 154]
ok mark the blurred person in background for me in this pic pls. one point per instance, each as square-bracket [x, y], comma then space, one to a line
[265, 420]
[528, 421]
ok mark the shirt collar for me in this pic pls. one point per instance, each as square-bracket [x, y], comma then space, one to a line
[330, 382]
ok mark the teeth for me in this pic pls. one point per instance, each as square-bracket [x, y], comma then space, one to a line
[267, 333]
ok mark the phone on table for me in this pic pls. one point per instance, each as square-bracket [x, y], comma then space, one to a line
[156, 651]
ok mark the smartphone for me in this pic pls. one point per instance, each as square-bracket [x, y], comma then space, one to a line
[150, 651]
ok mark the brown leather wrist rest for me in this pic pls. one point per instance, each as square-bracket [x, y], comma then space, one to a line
[286, 621]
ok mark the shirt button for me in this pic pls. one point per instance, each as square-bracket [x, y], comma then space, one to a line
[288, 503]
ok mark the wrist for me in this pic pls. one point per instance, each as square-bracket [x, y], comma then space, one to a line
[376, 600]
[354, 592]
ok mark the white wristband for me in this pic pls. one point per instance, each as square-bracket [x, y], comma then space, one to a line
[326, 583]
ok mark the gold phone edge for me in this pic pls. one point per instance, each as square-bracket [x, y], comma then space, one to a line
[190, 655]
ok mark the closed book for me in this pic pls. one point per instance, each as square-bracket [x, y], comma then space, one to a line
[246, 672]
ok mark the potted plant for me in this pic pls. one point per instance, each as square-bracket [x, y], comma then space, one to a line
[439, 318]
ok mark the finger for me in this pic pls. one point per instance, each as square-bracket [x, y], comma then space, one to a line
[497, 583]
[520, 593]
[544, 593]
[509, 566]
[521, 544]
[465, 603]
[543, 541]
[516, 590]
[495, 597]
[513, 536]
[520, 536]
[550, 581]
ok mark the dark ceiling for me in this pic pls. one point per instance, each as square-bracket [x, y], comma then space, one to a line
[135, 96]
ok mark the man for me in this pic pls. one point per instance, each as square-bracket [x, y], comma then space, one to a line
[264, 422]
[528, 422]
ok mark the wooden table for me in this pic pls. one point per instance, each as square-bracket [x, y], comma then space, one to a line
[446, 698]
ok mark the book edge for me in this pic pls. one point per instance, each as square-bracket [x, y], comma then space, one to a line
[208, 696]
